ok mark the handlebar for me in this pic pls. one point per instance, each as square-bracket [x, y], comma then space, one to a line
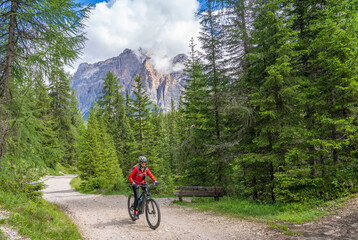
[146, 185]
[149, 185]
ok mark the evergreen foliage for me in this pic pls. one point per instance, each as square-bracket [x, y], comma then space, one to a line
[98, 161]
[140, 117]
[37, 38]
[278, 119]
[269, 109]
[113, 107]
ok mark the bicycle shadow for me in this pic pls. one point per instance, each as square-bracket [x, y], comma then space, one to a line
[139, 225]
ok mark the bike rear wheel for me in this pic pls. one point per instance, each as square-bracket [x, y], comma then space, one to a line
[152, 213]
[131, 206]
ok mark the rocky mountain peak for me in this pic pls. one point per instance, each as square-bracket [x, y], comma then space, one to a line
[161, 87]
[180, 58]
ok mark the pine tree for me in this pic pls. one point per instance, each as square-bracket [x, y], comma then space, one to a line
[139, 112]
[37, 36]
[108, 95]
[108, 170]
[329, 97]
[60, 94]
[113, 109]
[173, 135]
[157, 152]
[123, 134]
[239, 16]
[98, 160]
[50, 149]
[89, 148]
[195, 87]
[272, 89]
[212, 124]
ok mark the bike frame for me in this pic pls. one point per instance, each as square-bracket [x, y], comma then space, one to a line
[148, 205]
[144, 196]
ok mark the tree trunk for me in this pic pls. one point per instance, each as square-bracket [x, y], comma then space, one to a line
[5, 78]
[10, 53]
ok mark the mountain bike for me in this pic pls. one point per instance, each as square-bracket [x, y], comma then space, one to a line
[147, 203]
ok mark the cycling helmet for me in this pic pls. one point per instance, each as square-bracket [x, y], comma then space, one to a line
[142, 159]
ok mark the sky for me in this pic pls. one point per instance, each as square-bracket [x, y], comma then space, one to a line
[163, 27]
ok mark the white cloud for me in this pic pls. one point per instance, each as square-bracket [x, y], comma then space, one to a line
[163, 27]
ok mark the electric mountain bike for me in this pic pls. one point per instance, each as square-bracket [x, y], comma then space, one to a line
[145, 203]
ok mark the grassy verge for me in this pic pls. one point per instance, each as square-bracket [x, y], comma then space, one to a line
[284, 229]
[2, 235]
[278, 212]
[36, 218]
[60, 170]
[76, 185]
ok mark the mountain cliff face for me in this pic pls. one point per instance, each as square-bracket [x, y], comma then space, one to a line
[161, 87]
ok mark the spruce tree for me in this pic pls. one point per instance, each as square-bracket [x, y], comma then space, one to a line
[108, 94]
[139, 112]
[114, 111]
[123, 135]
[212, 124]
[98, 162]
[329, 97]
[61, 112]
[158, 153]
[272, 90]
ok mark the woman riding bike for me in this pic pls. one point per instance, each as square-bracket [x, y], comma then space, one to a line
[137, 178]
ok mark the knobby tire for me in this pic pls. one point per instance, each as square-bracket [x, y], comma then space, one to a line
[131, 200]
[152, 213]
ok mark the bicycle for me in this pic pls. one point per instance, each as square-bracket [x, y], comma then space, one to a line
[145, 201]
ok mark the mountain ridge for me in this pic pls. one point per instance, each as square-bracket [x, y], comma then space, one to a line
[161, 86]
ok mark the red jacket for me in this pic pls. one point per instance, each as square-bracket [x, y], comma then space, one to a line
[138, 177]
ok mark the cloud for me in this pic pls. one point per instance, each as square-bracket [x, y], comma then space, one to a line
[162, 27]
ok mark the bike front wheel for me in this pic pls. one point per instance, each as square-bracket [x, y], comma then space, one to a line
[152, 213]
[131, 206]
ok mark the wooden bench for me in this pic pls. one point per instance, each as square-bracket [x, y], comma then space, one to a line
[198, 191]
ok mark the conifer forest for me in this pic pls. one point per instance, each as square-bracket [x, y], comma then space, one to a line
[269, 111]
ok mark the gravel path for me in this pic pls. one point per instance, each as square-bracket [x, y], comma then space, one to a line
[106, 217]
[342, 225]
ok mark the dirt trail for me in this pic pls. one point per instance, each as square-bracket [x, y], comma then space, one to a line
[340, 226]
[106, 217]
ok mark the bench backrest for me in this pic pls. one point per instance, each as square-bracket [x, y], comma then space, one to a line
[198, 191]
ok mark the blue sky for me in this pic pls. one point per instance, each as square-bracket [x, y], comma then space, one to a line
[162, 27]
[97, 1]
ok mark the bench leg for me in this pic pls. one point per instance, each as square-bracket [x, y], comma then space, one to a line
[216, 194]
[180, 194]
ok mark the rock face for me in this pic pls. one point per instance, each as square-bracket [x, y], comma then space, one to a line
[161, 87]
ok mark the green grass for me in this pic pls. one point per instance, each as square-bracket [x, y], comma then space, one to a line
[284, 229]
[76, 185]
[36, 218]
[3, 236]
[277, 215]
[61, 169]
[281, 212]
